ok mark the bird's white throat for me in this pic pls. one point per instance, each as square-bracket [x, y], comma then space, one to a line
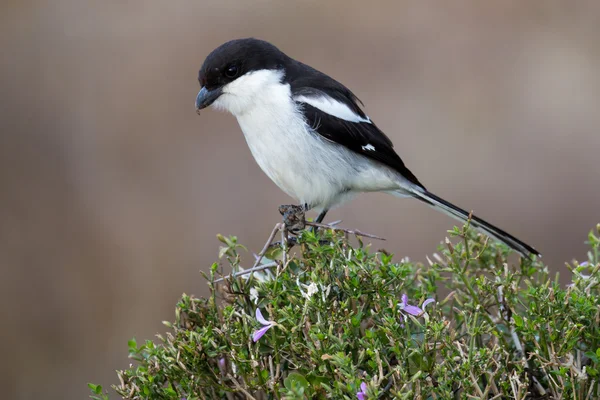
[250, 91]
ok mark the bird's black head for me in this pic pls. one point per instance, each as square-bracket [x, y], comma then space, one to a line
[231, 61]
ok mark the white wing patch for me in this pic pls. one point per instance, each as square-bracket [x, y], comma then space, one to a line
[332, 107]
[369, 147]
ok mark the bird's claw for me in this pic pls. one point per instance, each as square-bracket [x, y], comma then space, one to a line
[294, 217]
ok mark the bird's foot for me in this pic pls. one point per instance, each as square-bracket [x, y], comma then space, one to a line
[291, 242]
[294, 217]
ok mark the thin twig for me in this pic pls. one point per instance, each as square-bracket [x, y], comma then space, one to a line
[240, 388]
[335, 223]
[272, 383]
[284, 246]
[248, 271]
[476, 385]
[277, 227]
[387, 387]
[352, 232]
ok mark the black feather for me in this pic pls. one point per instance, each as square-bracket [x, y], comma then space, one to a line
[307, 81]
[478, 223]
[356, 136]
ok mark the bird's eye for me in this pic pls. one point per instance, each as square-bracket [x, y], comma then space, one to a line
[231, 71]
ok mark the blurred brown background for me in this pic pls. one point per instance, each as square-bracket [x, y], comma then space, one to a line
[112, 188]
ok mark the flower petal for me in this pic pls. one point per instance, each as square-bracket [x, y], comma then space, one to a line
[362, 395]
[428, 301]
[259, 333]
[262, 319]
[412, 310]
[404, 300]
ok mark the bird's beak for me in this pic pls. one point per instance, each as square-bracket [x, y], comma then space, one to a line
[206, 97]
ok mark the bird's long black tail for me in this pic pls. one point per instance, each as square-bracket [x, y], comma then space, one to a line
[485, 227]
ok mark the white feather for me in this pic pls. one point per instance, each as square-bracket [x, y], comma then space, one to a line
[303, 164]
[247, 91]
[332, 107]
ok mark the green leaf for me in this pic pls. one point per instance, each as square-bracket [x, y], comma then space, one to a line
[222, 239]
[593, 356]
[170, 391]
[274, 253]
[132, 345]
[96, 389]
[295, 380]
[223, 251]
[315, 380]
[518, 320]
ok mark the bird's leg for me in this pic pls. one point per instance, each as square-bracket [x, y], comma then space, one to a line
[294, 220]
[321, 216]
[319, 219]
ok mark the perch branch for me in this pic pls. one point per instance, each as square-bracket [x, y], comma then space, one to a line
[352, 232]
[248, 271]
[262, 253]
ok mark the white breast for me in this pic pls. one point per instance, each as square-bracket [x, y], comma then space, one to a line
[289, 153]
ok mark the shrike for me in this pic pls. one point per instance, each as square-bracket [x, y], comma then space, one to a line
[309, 135]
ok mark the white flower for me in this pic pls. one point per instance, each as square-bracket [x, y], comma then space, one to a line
[310, 289]
[325, 291]
[254, 295]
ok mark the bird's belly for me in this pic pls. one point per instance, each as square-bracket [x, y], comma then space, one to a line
[306, 166]
[300, 162]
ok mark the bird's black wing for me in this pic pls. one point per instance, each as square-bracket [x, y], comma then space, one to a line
[333, 112]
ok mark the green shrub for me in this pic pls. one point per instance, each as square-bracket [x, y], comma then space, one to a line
[500, 327]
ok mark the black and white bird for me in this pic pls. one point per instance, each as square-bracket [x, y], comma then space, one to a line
[309, 134]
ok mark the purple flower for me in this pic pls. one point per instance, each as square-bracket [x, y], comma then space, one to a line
[362, 395]
[413, 310]
[429, 300]
[266, 326]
